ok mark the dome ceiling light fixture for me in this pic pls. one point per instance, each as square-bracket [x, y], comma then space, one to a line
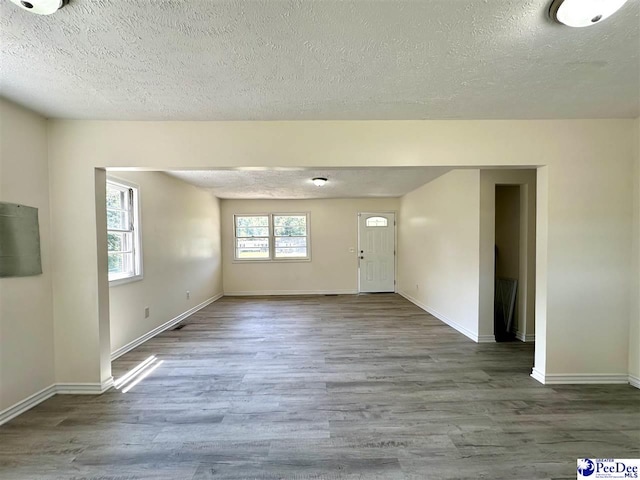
[319, 181]
[583, 13]
[41, 7]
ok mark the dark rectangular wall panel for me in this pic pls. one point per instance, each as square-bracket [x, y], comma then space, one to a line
[19, 241]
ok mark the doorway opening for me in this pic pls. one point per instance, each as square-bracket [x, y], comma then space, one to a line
[513, 265]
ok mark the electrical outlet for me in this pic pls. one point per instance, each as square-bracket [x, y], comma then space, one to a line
[188, 294]
[146, 312]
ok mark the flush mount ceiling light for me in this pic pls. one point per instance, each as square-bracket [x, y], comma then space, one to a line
[41, 7]
[319, 181]
[583, 13]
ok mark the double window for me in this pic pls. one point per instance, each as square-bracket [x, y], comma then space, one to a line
[272, 236]
[123, 232]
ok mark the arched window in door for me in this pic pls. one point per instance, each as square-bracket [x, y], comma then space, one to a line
[376, 222]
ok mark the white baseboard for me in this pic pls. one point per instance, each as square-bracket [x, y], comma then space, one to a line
[265, 293]
[581, 378]
[106, 384]
[538, 375]
[165, 326]
[463, 330]
[27, 404]
[525, 337]
[55, 389]
[486, 339]
[634, 381]
[83, 388]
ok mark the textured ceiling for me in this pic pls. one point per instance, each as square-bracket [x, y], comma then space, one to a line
[323, 59]
[288, 183]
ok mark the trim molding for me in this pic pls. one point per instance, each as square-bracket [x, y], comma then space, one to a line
[486, 339]
[165, 326]
[83, 388]
[263, 293]
[27, 404]
[634, 381]
[55, 389]
[581, 378]
[526, 338]
[463, 330]
[106, 384]
[538, 375]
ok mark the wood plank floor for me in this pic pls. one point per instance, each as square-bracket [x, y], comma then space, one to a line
[324, 387]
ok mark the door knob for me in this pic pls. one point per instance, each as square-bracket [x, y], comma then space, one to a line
[361, 257]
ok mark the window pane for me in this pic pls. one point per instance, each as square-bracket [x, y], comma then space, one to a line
[252, 232]
[295, 225]
[291, 247]
[282, 242]
[114, 242]
[120, 264]
[116, 263]
[257, 221]
[247, 248]
[119, 242]
[376, 222]
[117, 219]
[291, 230]
[291, 252]
[117, 197]
[283, 220]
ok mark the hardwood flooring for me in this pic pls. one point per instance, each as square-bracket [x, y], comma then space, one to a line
[324, 387]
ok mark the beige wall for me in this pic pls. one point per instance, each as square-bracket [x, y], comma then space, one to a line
[334, 230]
[583, 252]
[525, 302]
[634, 327]
[181, 252]
[438, 258]
[26, 317]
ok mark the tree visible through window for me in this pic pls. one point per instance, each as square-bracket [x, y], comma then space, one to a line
[252, 237]
[123, 237]
[290, 233]
[271, 237]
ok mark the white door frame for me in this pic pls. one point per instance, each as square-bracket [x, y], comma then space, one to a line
[395, 245]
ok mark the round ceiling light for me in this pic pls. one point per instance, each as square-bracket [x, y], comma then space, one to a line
[319, 181]
[41, 7]
[583, 13]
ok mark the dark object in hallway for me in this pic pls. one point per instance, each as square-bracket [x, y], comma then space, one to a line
[503, 308]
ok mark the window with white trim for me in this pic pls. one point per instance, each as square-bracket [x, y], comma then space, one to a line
[273, 236]
[123, 232]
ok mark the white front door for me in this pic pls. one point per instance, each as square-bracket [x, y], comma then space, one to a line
[376, 252]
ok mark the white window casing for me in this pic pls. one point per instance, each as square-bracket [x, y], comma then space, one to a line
[124, 241]
[272, 237]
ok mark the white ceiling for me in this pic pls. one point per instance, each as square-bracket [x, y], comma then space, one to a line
[322, 59]
[290, 183]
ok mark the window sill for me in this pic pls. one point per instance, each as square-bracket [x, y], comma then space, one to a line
[121, 281]
[271, 260]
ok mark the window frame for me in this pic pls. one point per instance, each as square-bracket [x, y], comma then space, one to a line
[136, 231]
[272, 238]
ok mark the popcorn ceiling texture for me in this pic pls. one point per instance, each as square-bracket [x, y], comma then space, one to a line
[297, 60]
[296, 183]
